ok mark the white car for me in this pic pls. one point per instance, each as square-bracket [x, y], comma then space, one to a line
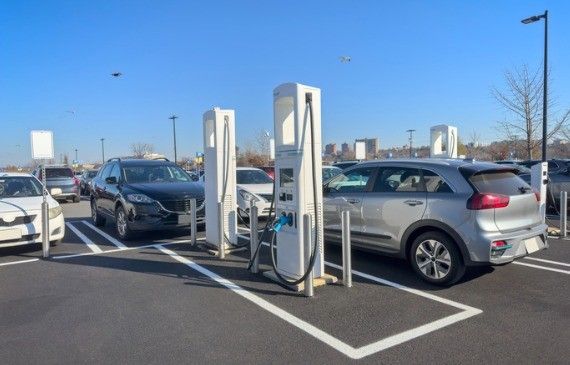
[254, 184]
[20, 211]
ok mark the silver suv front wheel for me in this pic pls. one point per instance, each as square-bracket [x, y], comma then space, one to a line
[436, 258]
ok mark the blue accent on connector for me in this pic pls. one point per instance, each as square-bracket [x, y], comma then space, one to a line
[280, 222]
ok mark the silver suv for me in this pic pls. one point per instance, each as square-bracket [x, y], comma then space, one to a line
[441, 215]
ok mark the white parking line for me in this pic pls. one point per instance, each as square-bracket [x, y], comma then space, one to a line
[153, 245]
[548, 261]
[112, 239]
[84, 238]
[542, 267]
[243, 237]
[348, 350]
[18, 262]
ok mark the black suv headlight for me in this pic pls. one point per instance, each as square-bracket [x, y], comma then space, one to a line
[139, 199]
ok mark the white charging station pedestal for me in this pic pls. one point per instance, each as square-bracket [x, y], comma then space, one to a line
[294, 180]
[443, 141]
[220, 176]
[539, 181]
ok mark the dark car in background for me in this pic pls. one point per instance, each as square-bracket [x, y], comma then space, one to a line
[144, 195]
[85, 179]
[61, 177]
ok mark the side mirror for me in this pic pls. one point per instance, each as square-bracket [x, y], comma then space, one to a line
[111, 180]
[55, 191]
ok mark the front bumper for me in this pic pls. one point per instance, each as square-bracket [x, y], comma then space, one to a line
[32, 232]
[519, 244]
[263, 207]
[148, 217]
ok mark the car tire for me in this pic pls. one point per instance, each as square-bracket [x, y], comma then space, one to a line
[122, 224]
[98, 219]
[435, 258]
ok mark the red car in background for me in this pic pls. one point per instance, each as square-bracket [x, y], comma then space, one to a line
[269, 170]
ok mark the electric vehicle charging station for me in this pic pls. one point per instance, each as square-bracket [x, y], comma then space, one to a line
[220, 178]
[443, 141]
[539, 182]
[298, 188]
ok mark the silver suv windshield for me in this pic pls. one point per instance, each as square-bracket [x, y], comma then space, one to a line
[19, 186]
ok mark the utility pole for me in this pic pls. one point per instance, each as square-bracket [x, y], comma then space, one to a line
[174, 117]
[76, 155]
[103, 149]
[411, 139]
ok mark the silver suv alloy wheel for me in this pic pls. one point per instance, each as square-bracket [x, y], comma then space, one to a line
[433, 259]
[121, 222]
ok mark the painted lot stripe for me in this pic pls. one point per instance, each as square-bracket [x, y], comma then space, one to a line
[18, 262]
[354, 353]
[84, 238]
[111, 239]
[243, 237]
[542, 267]
[548, 261]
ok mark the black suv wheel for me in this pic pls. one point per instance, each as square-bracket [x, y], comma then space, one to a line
[436, 259]
[98, 219]
[122, 224]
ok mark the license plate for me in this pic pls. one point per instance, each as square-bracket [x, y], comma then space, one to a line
[531, 244]
[184, 219]
[10, 234]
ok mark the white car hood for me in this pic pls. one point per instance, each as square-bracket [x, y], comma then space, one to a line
[257, 188]
[24, 204]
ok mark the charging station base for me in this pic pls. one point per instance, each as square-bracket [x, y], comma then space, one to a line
[321, 281]
[213, 249]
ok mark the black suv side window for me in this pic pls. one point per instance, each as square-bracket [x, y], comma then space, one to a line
[105, 171]
[398, 179]
[115, 172]
[435, 183]
[352, 181]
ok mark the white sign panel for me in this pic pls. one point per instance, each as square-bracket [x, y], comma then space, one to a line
[360, 150]
[42, 145]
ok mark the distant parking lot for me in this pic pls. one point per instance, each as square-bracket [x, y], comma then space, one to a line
[158, 299]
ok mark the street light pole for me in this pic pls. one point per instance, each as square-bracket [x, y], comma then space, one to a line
[174, 117]
[103, 149]
[76, 155]
[411, 139]
[533, 19]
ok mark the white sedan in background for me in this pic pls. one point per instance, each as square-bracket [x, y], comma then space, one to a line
[254, 184]
[21, 214]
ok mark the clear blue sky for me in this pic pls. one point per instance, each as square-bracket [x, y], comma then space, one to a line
[414, 64]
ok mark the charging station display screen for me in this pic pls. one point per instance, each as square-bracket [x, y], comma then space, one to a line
[286, 178]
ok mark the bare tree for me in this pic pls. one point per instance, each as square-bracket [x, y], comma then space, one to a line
[522, 98]
[140, 149]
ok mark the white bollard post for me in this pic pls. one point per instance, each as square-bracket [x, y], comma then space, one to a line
[222, 246]
[563, 214]
[346, 250]
[193, 229]
[45, 215]
[253, 239]
[307, 237]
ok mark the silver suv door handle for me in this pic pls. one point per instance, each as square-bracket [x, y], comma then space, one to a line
[413, 203]
[353, 201]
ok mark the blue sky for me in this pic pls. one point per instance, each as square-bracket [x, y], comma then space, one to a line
[414, 64]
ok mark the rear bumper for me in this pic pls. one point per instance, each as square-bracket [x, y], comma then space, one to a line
[66, 192]
[519, 244]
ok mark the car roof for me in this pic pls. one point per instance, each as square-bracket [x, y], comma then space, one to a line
[467, 164]
[143, 162]
[248, 168]
[14, 174]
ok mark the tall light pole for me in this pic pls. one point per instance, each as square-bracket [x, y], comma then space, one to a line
[103, 149]
[174, 117]
[533, 19]
[76, 155]
[411, 139]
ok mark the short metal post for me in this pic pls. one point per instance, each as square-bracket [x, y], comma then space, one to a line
[193, 228]
[253, 240]
[563, 214]
[45, 216]
[222, 246]
[346, 251]
[307, 236]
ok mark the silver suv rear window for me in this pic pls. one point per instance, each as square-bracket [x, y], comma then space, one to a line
[499, 182]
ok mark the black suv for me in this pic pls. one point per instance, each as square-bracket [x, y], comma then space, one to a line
[143, 195]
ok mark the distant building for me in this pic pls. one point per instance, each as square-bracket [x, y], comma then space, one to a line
[330, 149]
[345, 148]
[372, 146]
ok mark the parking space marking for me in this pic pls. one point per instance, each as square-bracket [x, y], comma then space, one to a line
[243, 237]
[84, 238]
[348, 350]
[542, 267]
[111, 239]
[548, 261]
[153, 245]
[18, 262]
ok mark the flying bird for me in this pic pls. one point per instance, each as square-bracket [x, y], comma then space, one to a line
[345, 59]
[116, 74]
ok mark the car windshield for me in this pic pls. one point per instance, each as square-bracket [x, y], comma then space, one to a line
[91, 174]
[499, 182]
[330, 172]
[155, 174]
[58, 172]
[252, 177]
[19, 186]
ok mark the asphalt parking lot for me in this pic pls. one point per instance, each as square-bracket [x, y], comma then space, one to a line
[160, 300]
